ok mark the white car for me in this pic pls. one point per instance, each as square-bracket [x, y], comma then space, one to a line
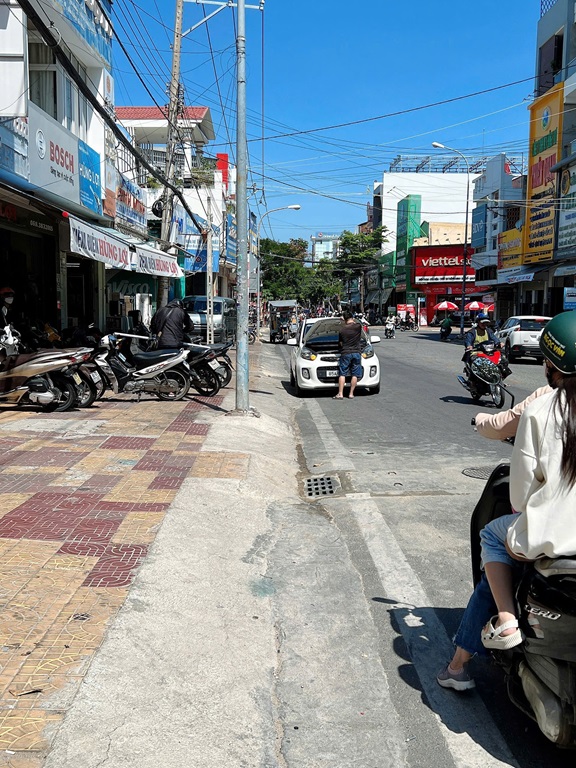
[520, 335]
[314, 359]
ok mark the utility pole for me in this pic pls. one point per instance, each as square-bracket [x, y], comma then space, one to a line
[209, 276]
[173, 112]
[242, 276]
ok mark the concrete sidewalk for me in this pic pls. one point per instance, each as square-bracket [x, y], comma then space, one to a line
[170, 664]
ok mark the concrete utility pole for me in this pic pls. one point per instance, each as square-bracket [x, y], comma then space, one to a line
[209, 276]
[173, 112]
[242, 277]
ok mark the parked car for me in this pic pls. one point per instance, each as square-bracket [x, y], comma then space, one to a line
[520, 335]
[224, 316]
[314, 359]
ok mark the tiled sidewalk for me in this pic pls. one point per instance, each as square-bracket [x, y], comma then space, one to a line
[82, 496]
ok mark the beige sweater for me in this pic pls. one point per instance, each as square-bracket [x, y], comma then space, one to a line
[504, 424]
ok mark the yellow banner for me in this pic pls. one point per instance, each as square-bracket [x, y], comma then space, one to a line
[545, 151]
[510, 249]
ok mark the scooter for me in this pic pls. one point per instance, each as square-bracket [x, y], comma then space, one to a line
[390, 330]
[484, 374]
[205, 370]
[164, 373]
[48, 378]
[225, 367]
[541, 672]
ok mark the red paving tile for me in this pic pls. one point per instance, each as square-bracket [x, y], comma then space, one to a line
[115, 566]
[125, 443]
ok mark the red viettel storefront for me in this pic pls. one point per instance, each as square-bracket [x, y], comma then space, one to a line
[438, 273]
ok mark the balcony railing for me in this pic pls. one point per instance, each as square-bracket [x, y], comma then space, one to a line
[545, 6]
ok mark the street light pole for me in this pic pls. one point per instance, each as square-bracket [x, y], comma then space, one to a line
[437, 145]
[295, 207]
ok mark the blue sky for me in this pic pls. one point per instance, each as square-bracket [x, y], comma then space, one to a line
[328, 62]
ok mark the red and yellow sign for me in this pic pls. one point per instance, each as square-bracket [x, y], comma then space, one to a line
[545, 151]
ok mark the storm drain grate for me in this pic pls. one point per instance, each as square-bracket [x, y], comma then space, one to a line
[480, 473]
[320, 486]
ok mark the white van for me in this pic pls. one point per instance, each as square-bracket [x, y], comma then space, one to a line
[224, 316]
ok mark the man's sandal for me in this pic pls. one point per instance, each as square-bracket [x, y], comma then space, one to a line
[492, 635]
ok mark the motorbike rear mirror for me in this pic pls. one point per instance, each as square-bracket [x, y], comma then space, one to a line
[374, 339]
[292, 342]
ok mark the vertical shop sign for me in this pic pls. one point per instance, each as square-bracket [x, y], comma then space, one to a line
[545, 144]
[90, 180]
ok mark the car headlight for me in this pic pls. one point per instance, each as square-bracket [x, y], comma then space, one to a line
[307, 354]
[368, 352]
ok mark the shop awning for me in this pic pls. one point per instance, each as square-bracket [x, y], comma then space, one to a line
[120, 251]
[565, 270]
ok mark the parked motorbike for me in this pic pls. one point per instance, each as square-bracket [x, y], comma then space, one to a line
[164, 372]
[484, 374]
[48, 378]
[225, 369]
[205, 369]
[541, 672]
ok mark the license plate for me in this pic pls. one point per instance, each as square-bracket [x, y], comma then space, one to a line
[214, 364]
[95, 376]
[76, 378]
[332, 374]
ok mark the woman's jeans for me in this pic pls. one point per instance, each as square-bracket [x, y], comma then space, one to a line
[481, 606]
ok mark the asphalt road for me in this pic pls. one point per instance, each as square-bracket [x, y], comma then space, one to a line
[400, 562]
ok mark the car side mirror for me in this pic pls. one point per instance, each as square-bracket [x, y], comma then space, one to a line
[292, 342]
[375, 339]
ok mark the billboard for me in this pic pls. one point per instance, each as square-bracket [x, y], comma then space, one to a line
[567, 215]
[479, 215]
[408, 224]
[90, 181]
[545, 150]
[441, 264]
[509, 249]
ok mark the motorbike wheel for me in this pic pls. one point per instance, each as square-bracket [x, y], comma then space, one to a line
[178, 381]
[87, 392]
[66, 398]
[225, 378]
[206, 382]
[497, 395]
[251, 337]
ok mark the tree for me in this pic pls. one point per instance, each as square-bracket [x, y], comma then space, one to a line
[358, 253]
[287, 274]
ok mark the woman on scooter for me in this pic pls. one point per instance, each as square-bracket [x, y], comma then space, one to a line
[543, 498]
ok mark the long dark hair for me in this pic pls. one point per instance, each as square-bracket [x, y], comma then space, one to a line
[566, 405]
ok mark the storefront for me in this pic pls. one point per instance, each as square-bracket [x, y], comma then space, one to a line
[438, 274]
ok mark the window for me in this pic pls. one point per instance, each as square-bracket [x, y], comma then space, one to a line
[43, 76]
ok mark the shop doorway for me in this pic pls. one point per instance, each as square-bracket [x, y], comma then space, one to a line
[81, 282]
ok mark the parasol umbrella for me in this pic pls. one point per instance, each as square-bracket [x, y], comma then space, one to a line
[447, 305]
[490, 308]
[474, 306]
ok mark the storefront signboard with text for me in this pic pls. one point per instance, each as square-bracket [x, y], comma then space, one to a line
[53, 156]
[95, 244]
[509, 249]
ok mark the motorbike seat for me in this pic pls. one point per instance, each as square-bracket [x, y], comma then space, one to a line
[559, 566]
[158, 354]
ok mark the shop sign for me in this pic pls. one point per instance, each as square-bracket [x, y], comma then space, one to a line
[130, 204]
[90, 180]
[479, 215]
[440, 264]
[567, 215]
[91, 24]
[131, 285]
[14, 147]
[95, 244]
[565, 271]
[53, 157]
[509, 249]
[546, 115]
[231, 239]
[148, 261]
[569, 298]
[110, 185]
[21, 217]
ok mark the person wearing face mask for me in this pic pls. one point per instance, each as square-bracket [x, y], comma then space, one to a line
[7, 299]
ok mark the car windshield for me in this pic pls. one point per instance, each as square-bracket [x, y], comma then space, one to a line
[534, 324]
[199, 305]
[324, 333]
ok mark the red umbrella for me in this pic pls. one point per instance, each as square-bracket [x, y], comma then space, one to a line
[446, 305]
[490, 308]
[474, 305]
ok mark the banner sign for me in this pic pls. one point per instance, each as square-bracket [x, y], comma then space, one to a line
[567, 216]
[479, 216]
[546, 115]
[131, 204]
[152, 262]
[95, 244]
[569, 298]
[509, 249]
[441, 264]
[90, 181]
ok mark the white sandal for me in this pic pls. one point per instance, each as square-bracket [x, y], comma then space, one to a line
[492, 635]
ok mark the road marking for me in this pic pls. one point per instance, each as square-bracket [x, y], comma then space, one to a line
[338, 457]
[467, 727]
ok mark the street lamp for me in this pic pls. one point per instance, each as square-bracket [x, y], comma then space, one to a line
[437, 145]
[294, 207]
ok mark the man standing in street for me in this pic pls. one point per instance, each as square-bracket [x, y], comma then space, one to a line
[350, 363]
[170, 323]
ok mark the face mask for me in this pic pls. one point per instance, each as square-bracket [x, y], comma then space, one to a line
[9, 299]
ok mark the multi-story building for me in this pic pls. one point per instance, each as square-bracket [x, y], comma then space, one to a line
[324, 247]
